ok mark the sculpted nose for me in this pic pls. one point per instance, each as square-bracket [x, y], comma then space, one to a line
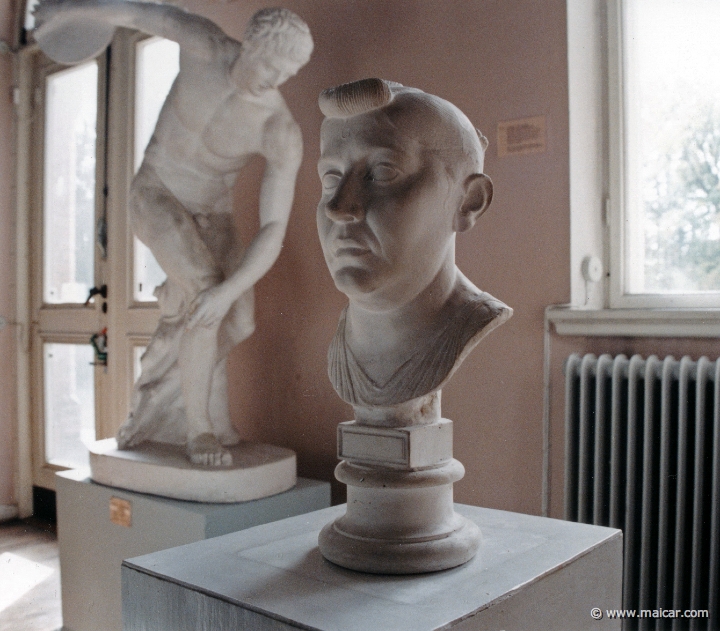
[345, 206]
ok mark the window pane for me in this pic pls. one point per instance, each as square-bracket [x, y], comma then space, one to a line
[138, 352]
[69, 186]
[69, 403]
[29, 18]
[157, 65]
[672, 84]
[148, 274]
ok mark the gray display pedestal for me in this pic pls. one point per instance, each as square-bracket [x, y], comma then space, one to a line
[92, 547]
[531, 573]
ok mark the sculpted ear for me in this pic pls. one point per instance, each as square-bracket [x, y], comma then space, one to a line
[478, 195]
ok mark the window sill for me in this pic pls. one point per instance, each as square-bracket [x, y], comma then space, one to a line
[634, 322]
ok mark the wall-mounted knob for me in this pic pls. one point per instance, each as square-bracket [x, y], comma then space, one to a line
[592, 269]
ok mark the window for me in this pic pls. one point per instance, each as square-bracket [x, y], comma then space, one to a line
[69, 397]
[86, 128]
[642, 125]
[157, 63]
[71, 100]
[66, 184]
[664, 153]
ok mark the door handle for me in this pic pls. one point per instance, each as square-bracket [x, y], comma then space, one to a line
[99, 344]
[94, 291]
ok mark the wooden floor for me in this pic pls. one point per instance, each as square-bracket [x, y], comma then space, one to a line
[29, 563]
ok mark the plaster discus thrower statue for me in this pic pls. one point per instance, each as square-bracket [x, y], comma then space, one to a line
[402, 173]
[223, 109]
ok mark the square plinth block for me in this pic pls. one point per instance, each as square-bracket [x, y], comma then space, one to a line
[531, 573]
[99, 526]
[410, 447]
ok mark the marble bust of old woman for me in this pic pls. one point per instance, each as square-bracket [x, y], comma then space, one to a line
[402, 173]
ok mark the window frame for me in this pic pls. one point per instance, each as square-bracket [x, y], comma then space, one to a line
[130, 323]
[71, 323]
[601, 308]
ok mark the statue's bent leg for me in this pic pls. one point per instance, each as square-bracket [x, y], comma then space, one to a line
[161, 222]
[172, 234]
[237, 326]
[239, 323]
[197, 360]
[218, 407]
[209, 425]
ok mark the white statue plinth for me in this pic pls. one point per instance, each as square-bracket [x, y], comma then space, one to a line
[92, 545]
[257, 470]
[400, 517]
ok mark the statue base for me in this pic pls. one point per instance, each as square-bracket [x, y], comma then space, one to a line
[258, 470]
[399, 522]
[400, 517]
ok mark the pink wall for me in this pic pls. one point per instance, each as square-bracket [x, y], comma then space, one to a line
[7, 264]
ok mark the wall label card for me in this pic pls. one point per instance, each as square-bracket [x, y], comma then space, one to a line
[121, 512]
[521, 136]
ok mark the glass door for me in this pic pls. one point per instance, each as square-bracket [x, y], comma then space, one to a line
[93, 303]
[70, 264]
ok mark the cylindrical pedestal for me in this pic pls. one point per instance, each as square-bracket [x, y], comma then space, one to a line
[399, 522]
[399, 470]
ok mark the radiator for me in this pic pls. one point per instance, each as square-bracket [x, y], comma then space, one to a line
[642, 453]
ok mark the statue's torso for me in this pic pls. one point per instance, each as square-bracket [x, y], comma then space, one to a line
[206, 133]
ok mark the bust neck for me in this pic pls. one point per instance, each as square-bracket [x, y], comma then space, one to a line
[382, 341]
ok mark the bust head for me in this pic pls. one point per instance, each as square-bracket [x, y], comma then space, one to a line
[401, 173]
[276, 44]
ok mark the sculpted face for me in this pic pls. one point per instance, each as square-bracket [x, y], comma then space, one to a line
[385, 219]
[258, 72]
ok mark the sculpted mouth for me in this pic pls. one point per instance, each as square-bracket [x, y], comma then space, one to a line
[351, 250]
[345, 244]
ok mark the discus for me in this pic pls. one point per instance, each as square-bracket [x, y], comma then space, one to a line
[72, 41]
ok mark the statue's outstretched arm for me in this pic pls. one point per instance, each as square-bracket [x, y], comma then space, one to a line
[194, 33]
[283, 155]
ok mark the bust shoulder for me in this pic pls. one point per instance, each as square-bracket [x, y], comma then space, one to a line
[473, 313]
[467, 316]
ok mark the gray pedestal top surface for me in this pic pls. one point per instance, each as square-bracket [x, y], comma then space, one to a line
[276, 570]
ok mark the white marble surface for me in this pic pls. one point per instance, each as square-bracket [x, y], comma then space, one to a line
[531, 573]
[258, 470]
[402, 174]
[76, 40]
[223, 109]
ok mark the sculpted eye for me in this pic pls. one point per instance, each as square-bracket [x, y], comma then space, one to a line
[382, 173]
[330, 180]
